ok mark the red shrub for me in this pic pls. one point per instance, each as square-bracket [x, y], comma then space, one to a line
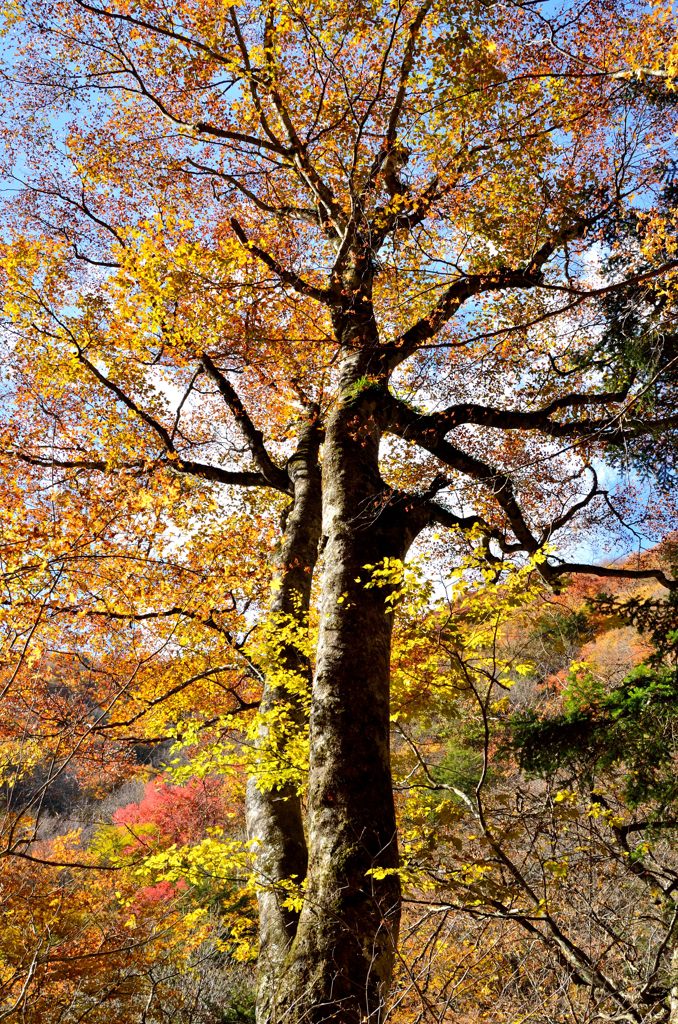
[181, 814]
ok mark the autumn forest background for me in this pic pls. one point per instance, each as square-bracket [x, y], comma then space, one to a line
[338, 527]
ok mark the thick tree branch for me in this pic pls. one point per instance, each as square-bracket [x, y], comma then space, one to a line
[249, 140]
[449, 302]
[287, 277]
[431, 428]
[330, 212]
[252, 79]
[230, 477]
[146, 417]
[241, 705]
[444, 517]
[276, 476]
[202, 127]
[141, 23]
[500, 486]
[391, 133]
[405, 71]
[610, 572]
[405, 216]
[165, 613]
[305, 213]
[498, 483]
[464, 288]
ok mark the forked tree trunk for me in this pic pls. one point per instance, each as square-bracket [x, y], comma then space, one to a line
[340, 964]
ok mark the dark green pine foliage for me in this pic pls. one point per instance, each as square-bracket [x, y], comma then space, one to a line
[638, 346]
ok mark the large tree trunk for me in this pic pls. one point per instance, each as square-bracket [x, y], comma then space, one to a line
[340, 964]
[274, 817]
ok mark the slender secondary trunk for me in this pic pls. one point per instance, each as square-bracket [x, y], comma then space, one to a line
[274, 817]
[340, 964]
[673, 990]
